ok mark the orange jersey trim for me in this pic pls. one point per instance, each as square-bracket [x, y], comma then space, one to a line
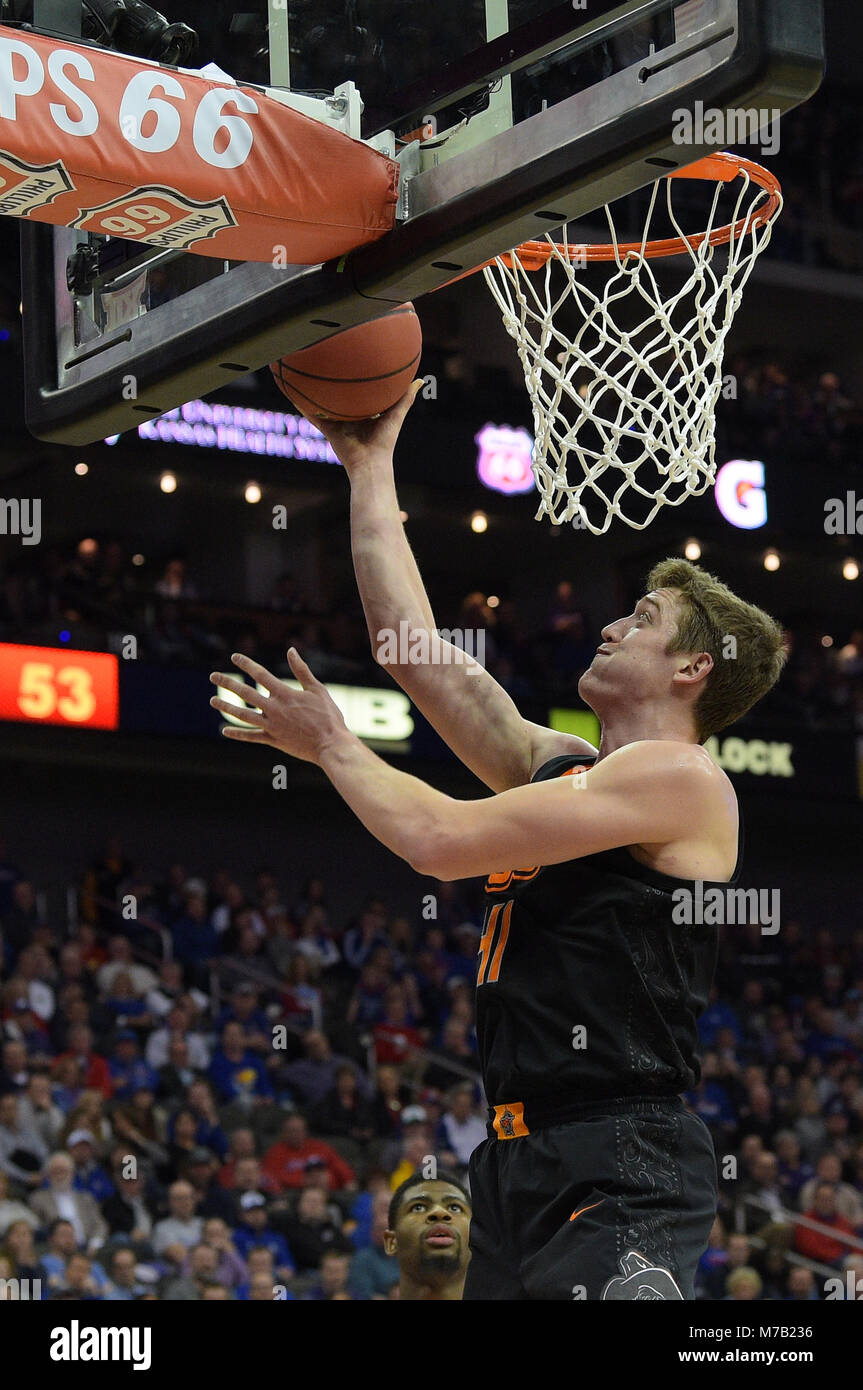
[500, 882]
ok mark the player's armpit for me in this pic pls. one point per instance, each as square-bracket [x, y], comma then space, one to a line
[646, 793]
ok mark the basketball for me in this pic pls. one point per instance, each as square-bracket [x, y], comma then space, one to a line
[357, 374]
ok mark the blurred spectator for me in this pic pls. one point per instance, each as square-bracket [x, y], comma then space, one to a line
[12, 1209]
[253, 1232]
[124, 1285]
[245, 1010]
[178, 1023]
[333, 1278]
[460, 1129]
[743, 1285]
[818, 1244]
[738, 1253]
[22, 1149]
[174, 583]
[195, 939]
[396, 1040]
[17, 1242]
[310, 1231]
[849, 1202]
[94, 1069]
[285, 1161]
[801, 1285]
[183, 1226]
[121, 962]
[344, 1112]
[59, 1200]
[302, 1003]
[126, 1210]
[194, 1274]
[129, 1071]
[90, 1176]
[313, 1077]
[373, 1272]
[230, 1269]
[237, 1073]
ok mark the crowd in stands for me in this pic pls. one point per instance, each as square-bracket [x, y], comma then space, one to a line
[216, 1096]
[782, 1094]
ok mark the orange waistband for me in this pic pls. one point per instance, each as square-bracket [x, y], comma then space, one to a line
[508, 1122]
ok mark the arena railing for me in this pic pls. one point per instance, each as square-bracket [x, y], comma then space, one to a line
[782, 1216]
[145, 920]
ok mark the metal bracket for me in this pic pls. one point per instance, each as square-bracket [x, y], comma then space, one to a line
[410, 162]
[341, 111]
[82, 267]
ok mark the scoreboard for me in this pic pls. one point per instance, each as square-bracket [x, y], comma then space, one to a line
[47, 685]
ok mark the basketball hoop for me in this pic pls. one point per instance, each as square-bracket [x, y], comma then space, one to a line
[633, 400]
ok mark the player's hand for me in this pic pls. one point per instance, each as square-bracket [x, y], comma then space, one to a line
[298, 722]
[357, 441]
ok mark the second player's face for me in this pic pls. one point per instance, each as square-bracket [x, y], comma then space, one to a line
[432, 1229]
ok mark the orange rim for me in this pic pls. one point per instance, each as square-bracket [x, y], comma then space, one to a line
[715, 168]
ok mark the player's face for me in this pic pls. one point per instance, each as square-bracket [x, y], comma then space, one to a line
[633, 660]
[431, 1235]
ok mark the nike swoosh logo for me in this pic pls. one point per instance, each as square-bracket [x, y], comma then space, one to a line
[584, 1209]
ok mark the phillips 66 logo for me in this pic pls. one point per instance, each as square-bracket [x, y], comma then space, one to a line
[504, 458]
[159, 216]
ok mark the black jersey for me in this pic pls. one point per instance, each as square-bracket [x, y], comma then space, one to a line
[587, 989]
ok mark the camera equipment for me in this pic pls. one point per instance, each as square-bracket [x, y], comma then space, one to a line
[128, 26]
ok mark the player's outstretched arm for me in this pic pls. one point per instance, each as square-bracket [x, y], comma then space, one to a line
[650, 793]
[469, 709]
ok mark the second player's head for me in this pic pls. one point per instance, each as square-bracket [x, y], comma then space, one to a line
[429, 1222]
[692, 652]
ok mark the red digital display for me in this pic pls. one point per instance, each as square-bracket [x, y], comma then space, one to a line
[48, 685]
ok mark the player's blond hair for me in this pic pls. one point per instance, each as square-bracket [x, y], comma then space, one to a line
[743, 669]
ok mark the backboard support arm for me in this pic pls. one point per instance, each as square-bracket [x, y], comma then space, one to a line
[280, 47]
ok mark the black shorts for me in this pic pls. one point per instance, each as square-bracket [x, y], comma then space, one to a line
[616, 1204]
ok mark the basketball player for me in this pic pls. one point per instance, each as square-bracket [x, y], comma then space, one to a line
[595, 1182]
[428, 1233]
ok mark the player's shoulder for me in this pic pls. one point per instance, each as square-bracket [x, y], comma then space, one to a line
[672, 762]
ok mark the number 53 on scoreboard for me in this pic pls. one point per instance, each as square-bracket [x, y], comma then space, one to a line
[47, 685]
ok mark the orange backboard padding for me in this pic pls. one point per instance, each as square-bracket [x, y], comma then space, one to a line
[123, 147]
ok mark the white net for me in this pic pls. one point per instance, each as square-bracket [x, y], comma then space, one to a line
[626, 398]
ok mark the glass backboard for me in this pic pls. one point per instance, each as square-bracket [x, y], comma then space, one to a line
[537, 113]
